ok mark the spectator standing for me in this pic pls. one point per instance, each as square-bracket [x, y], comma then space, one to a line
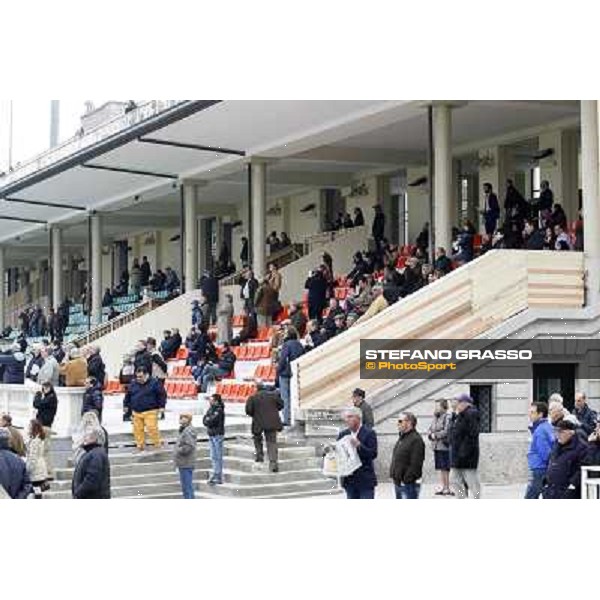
[92, 398]
[264, 406]
[491, 211]
[378, 227]
[244, 252]
[135, 278]
[316, 284]
[36, 462]
[290, 351]
[145, 397]
[159, 366]
[95, 365]
[585, 415]
[35, 363]
[17, 444]
[225, 320]
[13, 472]
[358, 400]
[209, 285]
[542, 441]
[408, 456]
[275, 279]
[464, 449]
[107, 299]
[91, 478]
[45, 402]
[49, 371]
[185, 455]
[146, 270]
[563, 476]
[266, 304]
[361, 484]
[438, 435]
[248, 288]
[214, 421]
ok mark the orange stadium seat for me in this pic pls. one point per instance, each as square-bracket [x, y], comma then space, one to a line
[182, 353]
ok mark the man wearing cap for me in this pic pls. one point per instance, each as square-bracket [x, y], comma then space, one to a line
[563, 476]
[185, 455]
[361, 484]
[13, 472]
[358, 400]
[464, 449]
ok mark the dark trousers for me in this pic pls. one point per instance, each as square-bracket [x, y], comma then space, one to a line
[355, 493]
[271, 439]
[212, 312]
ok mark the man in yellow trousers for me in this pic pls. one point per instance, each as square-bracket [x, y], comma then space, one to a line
[145, 397]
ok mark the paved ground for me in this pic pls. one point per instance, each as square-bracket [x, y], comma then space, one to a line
[385, 491]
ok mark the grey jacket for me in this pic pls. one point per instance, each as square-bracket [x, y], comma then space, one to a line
[439, 430]
[185, 449]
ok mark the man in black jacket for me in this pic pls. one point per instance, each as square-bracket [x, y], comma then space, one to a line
[316, 284]
[361, 484]
[264, 407]
[585, 415]
[464, 449]
[209, 285]
[214, 421]
[142, 358]
[378, 228]
[406, 468]
[96, 366]
[13, 473]
[248, 288]
[91, 479]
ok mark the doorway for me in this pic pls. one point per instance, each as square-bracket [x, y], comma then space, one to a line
[482, 399]
[555, 377]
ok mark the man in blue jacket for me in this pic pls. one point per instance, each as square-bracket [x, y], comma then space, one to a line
[542, 440]
[145, 397]
[361, 484]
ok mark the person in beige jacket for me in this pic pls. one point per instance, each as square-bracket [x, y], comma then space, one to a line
[36, 461]
[75, 369]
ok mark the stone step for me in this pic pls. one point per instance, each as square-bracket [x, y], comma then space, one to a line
[265, 490]
[239, 448]
[117, 440]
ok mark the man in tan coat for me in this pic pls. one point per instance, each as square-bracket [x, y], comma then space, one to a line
[75, 369]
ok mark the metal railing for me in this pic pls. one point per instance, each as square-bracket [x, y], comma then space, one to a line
[590, 485]
[89, 138]
[313, 242]
[109, 326]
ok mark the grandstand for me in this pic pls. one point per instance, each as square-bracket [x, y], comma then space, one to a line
[177, 182]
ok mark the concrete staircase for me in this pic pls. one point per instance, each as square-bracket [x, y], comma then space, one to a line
[152, 475]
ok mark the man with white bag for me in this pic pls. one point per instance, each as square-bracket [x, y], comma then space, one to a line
[360, 484]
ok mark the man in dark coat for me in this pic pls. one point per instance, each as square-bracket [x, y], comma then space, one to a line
[264, 407]
[209, 285]
[464, 449]
[248, 288]
[358, 399]
[146, 271]
[563, 476]
[92, 397]
[142, 358]
[316, 284]
[13, 473]
[408, 456]
[214, 421]
[91, 478]
[46, 404]
[13, 365]
[378, 228]
[290, 351]
[361, 484]
[533, 236]
[585, 415]
[491, 212]
[96, 366]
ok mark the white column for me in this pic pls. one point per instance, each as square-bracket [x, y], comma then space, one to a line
[191, 237]
[96, 265]
[442, 166]
[57, 279]
[259, 218]
[590, 178]
[2, 289]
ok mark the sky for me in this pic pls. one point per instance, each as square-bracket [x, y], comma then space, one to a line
[31, 126]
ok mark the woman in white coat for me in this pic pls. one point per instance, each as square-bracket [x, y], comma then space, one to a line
[35, 461]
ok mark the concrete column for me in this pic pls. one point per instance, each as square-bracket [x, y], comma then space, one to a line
[442, 165]
[191, 237]
[57, 278]
[259, 218]
[590, 178]
[218, 224]
[2, 289]
[96, 291]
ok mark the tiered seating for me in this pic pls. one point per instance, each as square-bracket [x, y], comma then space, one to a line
[264, 334]
[235, 392]
[181, 372]
[252, 352]
[114, 387]
[266, 372]
[181, 389]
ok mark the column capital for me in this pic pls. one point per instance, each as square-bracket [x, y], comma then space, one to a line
[447, 103]
[193, 181]
[260, 160]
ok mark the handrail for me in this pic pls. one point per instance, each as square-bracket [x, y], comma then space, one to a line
[590, 486]
[102, 329]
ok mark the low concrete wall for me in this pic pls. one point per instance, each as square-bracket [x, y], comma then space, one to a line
[17, 400]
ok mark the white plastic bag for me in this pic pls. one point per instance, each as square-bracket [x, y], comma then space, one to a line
[347, 457]
[330, 462]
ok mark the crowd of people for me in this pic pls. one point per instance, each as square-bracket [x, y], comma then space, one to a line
[561, 444]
